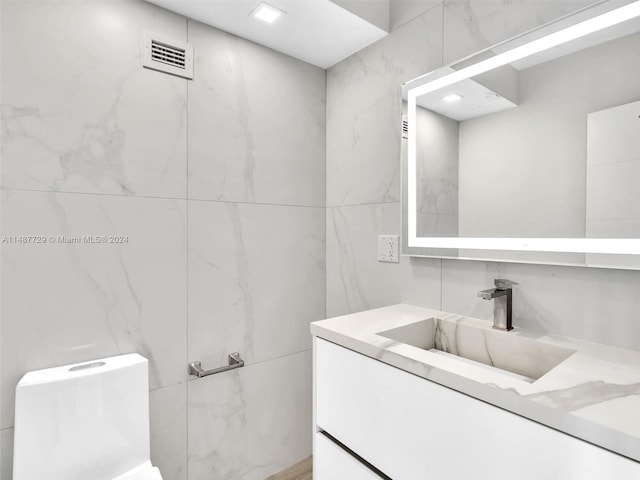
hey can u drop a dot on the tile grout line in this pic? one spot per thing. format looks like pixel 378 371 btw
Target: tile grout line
pixel 363 204
pixel 117 195
pixel 187 199
pixel 326 189
pixel 186 248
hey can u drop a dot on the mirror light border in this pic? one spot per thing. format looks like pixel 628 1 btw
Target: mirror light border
pixel 563 245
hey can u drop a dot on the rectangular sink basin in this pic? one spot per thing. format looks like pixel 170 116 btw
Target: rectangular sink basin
pixel 525 358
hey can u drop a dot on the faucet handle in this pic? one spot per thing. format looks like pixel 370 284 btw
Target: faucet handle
pixel 504 284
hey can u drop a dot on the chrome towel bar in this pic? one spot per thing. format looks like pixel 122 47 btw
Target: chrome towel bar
pixel 195 368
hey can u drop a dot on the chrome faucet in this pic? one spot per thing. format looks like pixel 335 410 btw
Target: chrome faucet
pixel 502 295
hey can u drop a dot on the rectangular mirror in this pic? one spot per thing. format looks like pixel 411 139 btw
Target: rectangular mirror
pixel 530 151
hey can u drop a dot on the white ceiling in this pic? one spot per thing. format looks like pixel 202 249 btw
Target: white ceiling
pixel 477 100
pixel 315 31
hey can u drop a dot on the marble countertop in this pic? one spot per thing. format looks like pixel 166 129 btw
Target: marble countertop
pixel 594 394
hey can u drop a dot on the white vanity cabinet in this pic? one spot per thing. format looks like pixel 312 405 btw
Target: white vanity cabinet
pixel 412 429
pixel 332 462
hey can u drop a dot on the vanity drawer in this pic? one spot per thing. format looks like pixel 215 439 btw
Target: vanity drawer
pixel 331 462
pixel 411 428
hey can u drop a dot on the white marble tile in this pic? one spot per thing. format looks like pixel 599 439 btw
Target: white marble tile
pixel 421 283
pixel 461 282
pixel 472 25
pixel 364 110
pixel 256 123
pixel 168 419
pixel 65 303
pixel 355 279
pixel 256 280
pixel 597 305
pixel 251 422
pixel 6 454
pixel 79 113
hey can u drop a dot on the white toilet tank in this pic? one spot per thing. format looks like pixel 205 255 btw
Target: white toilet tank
pixel 88 421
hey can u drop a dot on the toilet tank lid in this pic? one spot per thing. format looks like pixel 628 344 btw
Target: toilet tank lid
pixel 143 472
pixel 83 369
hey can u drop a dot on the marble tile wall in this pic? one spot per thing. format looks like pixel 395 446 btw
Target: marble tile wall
pixel 363 169
pixel 88 118
pixel 245 262
pixel 256 228
pixel 353 282
pixel 362 188
pixel 218 185
pixel 222 216
pixel 65 303
pixel 471 25
pixel 251 423
pixel 6 453
pixel 256 123
pixel 168 415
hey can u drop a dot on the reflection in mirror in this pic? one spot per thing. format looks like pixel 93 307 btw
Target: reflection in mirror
pixel 547 146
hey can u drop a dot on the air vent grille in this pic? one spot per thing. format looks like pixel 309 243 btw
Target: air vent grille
pixel 405 128
pixel 167 56
pixel 164 53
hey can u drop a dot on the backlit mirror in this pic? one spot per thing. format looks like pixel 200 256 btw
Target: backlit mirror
pixel 530 151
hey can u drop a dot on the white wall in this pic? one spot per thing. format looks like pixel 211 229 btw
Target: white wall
pixel 613 166
pixel 219 185
pixel 363 150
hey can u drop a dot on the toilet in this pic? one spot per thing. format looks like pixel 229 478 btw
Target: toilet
pixel 88 421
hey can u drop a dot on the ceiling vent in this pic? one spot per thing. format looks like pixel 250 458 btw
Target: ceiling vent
pixel 167 56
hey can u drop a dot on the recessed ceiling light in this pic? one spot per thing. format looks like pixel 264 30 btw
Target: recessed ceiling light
pixel 267 13
pixel 453 97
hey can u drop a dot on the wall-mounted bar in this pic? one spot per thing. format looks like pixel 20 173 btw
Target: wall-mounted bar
pixel 195 368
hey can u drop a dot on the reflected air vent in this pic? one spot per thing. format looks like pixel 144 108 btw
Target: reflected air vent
pixel 405 128
pixel 167 56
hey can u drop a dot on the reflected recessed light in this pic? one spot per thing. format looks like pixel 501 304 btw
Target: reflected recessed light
pixel 267 13
pixel 454 97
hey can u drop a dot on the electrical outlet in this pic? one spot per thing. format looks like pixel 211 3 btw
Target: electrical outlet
pixel 388 248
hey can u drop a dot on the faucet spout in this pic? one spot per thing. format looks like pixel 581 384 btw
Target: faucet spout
pixel 491 293
pixel 502 296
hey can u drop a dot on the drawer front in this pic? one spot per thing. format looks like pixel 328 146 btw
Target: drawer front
pixel 410 428
pixel 331 462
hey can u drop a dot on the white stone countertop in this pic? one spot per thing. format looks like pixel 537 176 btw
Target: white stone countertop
pixel 594 394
